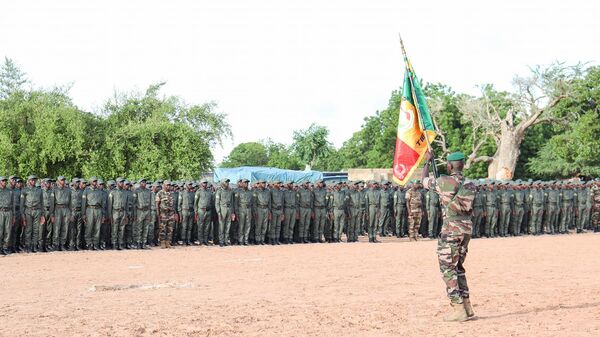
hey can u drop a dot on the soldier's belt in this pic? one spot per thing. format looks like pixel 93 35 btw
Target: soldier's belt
pixel 320 207
pixel 226 205
pixel 5 209
pixel 304 206
pixel 262 206
pixel 61 206
pixel 459 217
pixel 277 208
pixel 204 209
pixel 33 208
pixel 143 208
pixel 94 206
pixel 187 209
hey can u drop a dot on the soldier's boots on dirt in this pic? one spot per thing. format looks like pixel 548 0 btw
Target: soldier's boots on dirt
pixel 458 313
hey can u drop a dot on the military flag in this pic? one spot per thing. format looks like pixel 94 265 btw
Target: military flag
pixel 416 130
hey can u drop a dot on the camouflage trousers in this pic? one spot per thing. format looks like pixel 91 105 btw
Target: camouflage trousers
pixel 452 251
pixel 414 223
pixel 596 217
pixel 165 227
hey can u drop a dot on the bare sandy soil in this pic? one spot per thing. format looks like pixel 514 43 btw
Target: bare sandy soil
pixel 525 286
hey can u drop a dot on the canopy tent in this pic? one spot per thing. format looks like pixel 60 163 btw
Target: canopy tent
pixel 254 173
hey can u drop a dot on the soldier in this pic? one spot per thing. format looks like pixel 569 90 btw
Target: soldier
pixel 277 215
pixel 414 205
pixel 338 201
pixel 186 208
pixel 595 206
pixel 141 214
pixel 106 229
pixel 506 206
pixel 355 211
pixel 519 209
pixel 62 214
pixel 76 220
pixel 224 203
pixel 432 202
pixel 400 212
pixel 16 232
pixel 117 210
pixel 553 197
pixel 478 212
pixel 153 227
pixel 491 210
pixel 372 199
pixel 176 234
pixel 165 209
pixel 48 197
pixel 321 228
pixel 290 205
pixel 527 187
pixel 583 212
pixel 567 208
pixel 244 206
pixel 385 209
pixel 7 215
pixel 362 219
pixel 130 223
pixel 537 197
pixel 262 202
pixel 305 202
pixel 32 216
pixel 203 204
pixel 456 196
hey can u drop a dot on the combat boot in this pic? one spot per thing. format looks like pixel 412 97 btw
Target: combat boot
pixel 458 314
pixel 468 307
pixel 167 244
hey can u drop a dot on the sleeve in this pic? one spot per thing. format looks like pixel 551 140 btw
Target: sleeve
pixel 428 183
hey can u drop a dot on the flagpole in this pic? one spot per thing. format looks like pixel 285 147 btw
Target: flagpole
pixel 410 73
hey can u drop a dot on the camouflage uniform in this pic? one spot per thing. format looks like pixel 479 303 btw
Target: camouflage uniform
pixel 291 211
pixel 566 212
pixel 595 218
pixel 478 214
pixel 7 212
pixel 491 211
pixel 456 197
pixel 414 202
pixel 433 205
pixel 400 213
pixel 165 204
pixel 372 202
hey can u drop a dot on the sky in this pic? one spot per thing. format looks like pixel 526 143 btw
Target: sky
pixel 278 66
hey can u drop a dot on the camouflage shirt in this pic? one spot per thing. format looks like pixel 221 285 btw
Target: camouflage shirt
pixel 456 198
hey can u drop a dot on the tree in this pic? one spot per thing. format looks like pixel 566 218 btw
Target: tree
pixel 247 154
pixel 505 118
pixel 575 149
pixel 311 144
pixel 12 78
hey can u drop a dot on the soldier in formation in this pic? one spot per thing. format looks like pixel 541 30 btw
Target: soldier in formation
pixel 51 215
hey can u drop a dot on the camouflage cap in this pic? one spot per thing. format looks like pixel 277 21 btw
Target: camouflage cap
pixel 2 178
pixel 12 177
pixel 32 177
pixel 61 178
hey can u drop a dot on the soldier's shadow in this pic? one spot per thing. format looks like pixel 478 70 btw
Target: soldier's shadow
pixel 544 309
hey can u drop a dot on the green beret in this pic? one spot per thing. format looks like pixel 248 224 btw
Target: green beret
pixel 456 156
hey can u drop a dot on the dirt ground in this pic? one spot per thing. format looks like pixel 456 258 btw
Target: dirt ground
pixel 525 286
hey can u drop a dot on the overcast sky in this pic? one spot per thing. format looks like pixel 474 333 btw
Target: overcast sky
pixel 278 66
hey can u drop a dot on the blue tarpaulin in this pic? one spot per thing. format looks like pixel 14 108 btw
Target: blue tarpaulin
pixel 254 174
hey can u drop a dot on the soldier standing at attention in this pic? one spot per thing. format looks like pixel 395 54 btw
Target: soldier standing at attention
pixel 7 215
pixel 277 215
pixel 203 204
pixel 76 220
pixel 165 208
pixel 48 233
pixel 354 205
pixel 567 208
pixel 385 209
pixel 400 212
pixel 519 209
pixel 244 208
pixel 62 214
pixel 583 212
pixel 305 202
pixel 372 201
pixel 595 206
pixel 186 209
pixel 290 205
pixel 433 214
pixel 537 208
pixel 224 203
pixel 338 201
pixel 33 219
pixel 320 228
pixel 414 205
pixel 262 201
pixel 553 208
pixel 153 230
pixel 456 196
pixel 491 211
pixel 142 214
pixel 117 210
pixel 478 212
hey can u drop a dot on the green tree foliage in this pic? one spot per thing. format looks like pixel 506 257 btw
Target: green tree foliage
pixel 12 78
pixel 263 153
pixel 311 144
pixel 135 135
pixel 575 148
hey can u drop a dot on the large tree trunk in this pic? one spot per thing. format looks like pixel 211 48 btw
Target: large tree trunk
pixel 505 159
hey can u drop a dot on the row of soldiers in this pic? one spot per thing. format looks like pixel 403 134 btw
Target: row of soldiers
pixel 51 215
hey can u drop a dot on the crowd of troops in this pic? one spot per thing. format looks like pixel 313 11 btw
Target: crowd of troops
pixel 48 215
